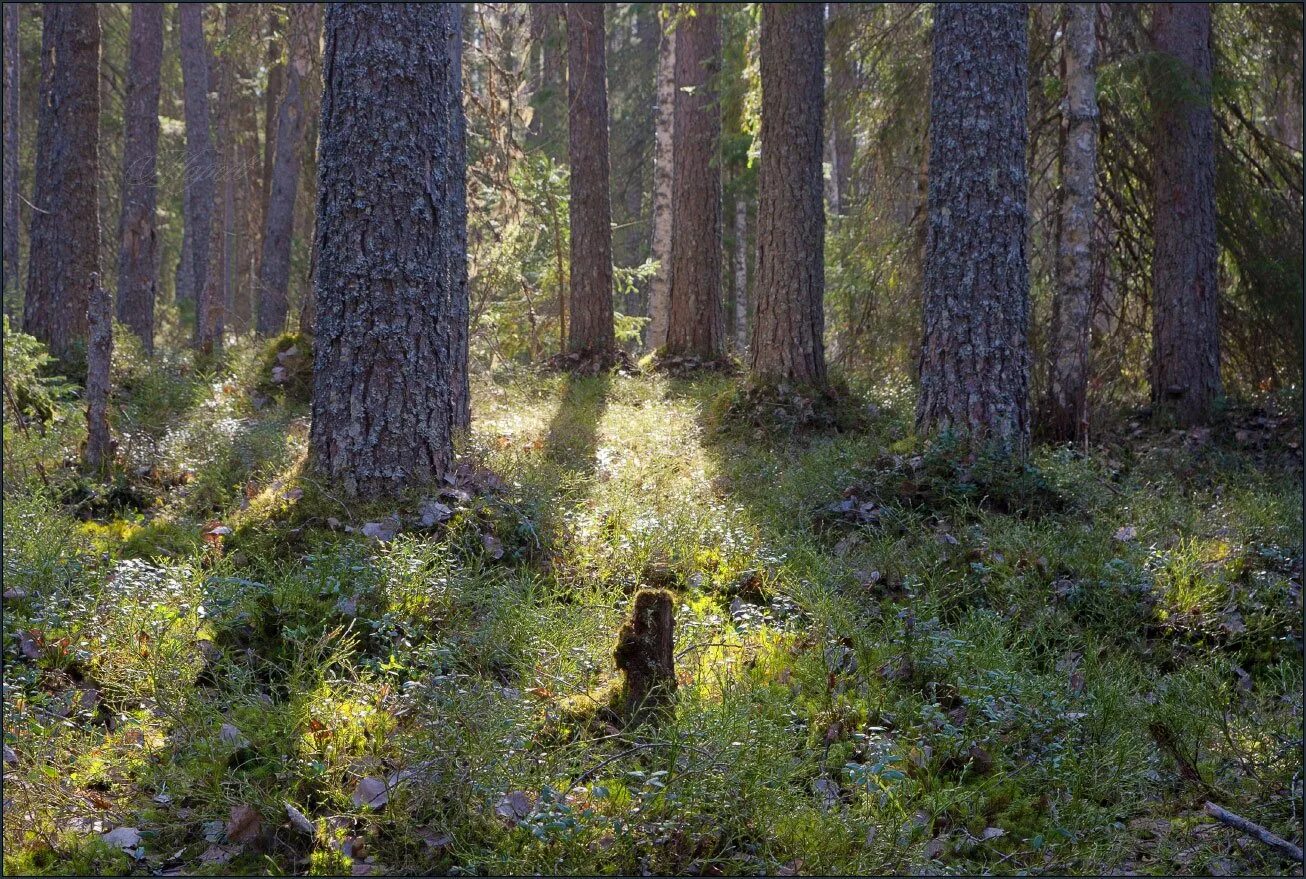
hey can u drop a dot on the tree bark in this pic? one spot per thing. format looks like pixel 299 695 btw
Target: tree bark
pixel 591 328
pixel 274 267
pixel 12 213
pixel 1065 408
pixel 391 280
pixel 272 97
pixel 741 275
pixel 789 317
pixel 1185 297
pixel 65 232
pixel 696 321
pixel 97 456
pixel 243 30
pixel 199 175
pixel 211 296
pixel 138 247
pixel 974 370
pixel 659 307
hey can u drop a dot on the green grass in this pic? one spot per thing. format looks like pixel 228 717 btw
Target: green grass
pixel 855 695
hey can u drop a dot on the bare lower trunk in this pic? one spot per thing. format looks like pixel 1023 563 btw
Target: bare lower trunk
pixel 388 390
pixel 1065 410
pixel 696 325
pixel 741 275
pixel 97 456
pixel 789 325
pixel 274 267
pixel 974 372
pixel 12 215
pixel 659 304
pixel 65 233
pixel 198 179
pixel 591 328
pixel 211 302
pixel 1185 298
pixel 138 248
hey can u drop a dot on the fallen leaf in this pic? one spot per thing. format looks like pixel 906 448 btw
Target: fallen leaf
pixel 229 735
pixel 513 806
pixel 11 756
pixel 828 791
pixel 163 799
pixel 492 545
pixel 934 848
pixel 992 833
pixel 381 531
pixel 220 854
pixel 1126 534
pixel 29 644
pixel 433 513
pixel 791 868
pixel 435 839
pixel 298 820
pixel 370 793
pixel 245 824
pixel 15 593
pixel 123 837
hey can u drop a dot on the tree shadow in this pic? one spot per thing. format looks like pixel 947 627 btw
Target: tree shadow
pixel 572 439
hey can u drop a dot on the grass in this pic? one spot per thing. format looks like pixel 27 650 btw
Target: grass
pixel 971 668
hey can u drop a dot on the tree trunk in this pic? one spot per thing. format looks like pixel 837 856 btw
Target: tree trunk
pixel 843 91
pixel 789 317
pixel 65 232
pixel 97 456
pixel 591 328
pixel 272 97
pixel 696 322
pixel 741 275
pixel 545 131
pixel 274 267
pixel 974 372
pixel 1065 409
pixel 12 213
pixel 200 169
pixel 646 656
pixel 243 30
pixel 211 296
pixel 460 311
pixel 659 301
pixel 138 250
pixel 1185 298
pixel 391 284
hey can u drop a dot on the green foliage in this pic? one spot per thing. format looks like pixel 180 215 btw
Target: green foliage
pixel 31 388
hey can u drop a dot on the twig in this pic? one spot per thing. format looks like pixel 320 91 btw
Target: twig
pixel 1282 846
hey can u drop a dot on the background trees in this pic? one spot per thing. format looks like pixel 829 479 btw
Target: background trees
pixel 391 296
pixel 974 373
pixel 788 339
pixel 65 231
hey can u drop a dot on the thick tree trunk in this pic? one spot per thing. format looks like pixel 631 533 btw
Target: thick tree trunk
pixel 391 284
pixel 741 275
pixel 12 213
pixel 659 297
pixel 138 247
pixel 97 456
pixel 1065 408
pixel 274 267
pixel 974 372
pixel 211 297
pixel 459 317
pixel 591 328
pixel 843 91
pixel 696 325
pixel 200 170
pixel 789 317
pixel 243 29
pixel 65 233
pixel 1185 298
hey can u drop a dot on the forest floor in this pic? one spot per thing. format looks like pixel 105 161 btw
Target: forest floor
pixel 888 660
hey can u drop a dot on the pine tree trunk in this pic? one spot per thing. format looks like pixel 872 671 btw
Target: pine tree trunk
pixel 97 455
pixel 1065 409
pixel 459 319
pixel 199 175
pixel 138 250
pixel 659 301
pixel 64 246
pixel 391 285
pixel 1185 298
pixel 591 328
pixel 272 98
pixel 696 324
pixel 789 316
pixel 211 299
pixel 844 89
pixel 741 275
pixel 243 29
pixel 274 267
pixel 974 367
pixel 12 213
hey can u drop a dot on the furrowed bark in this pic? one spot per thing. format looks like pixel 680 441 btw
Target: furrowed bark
pixel 660 290
pixel 199 176
pixel 97 456
pixel 12 213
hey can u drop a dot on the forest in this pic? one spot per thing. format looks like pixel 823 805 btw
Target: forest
pixel 652 439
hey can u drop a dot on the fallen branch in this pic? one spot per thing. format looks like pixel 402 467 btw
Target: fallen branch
pixel 1224 816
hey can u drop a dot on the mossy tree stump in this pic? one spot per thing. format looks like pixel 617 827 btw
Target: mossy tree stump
pixel 645 655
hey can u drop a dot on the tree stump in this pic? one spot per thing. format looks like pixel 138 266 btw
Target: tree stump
pixel 645 655
pixel 98 453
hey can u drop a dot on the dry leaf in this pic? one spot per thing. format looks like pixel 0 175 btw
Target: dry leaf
pixel 513 806
pixel 298 820
pixel 1126 534
pixel 220 854
pixel 371 793
pixel 492 545
pixel 245 824
pixel 229 735
pixel 435 839
pixel 123 837
pixel 433 513
pixel 381 531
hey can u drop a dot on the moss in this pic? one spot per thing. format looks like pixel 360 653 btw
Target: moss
pixel 75 856
pixel 285 369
